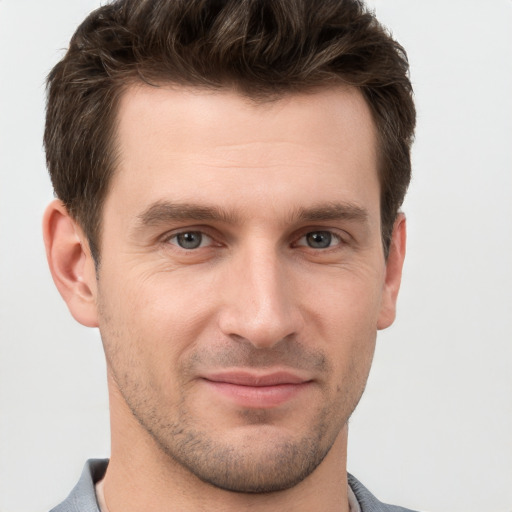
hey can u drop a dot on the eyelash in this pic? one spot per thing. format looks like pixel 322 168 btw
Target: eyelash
pixel 202 234
pixel 331 235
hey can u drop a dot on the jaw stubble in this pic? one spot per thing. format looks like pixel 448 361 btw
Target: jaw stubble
pixel 261 458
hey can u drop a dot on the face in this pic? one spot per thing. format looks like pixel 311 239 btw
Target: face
pixel 242 277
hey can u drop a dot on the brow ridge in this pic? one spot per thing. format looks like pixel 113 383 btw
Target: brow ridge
pixel 166 211
pixel 332 211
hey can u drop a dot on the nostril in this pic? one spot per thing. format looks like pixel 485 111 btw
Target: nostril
pixel 263 329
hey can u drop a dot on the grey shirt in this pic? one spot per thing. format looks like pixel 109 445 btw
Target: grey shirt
pixel 83 497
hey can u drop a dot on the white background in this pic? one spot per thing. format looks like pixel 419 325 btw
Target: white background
pixel 434 430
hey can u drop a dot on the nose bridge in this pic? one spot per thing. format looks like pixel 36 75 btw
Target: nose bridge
pixel 260 306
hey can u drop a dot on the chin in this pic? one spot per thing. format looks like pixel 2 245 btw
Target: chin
pixel 251 459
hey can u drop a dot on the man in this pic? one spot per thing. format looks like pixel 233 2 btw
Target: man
pixel 229 176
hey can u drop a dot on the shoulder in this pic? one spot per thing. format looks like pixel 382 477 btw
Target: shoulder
pixel 83 496
pixel 367 501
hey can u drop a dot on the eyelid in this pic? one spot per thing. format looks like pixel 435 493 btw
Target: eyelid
pixel 335 238
pixel 206 240
pixel 167 237
pixel 342 237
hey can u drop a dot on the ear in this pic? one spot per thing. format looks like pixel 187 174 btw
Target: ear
pixel 394 265
pixel 71 263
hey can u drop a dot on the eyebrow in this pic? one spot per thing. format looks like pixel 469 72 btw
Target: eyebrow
pixel 163 212
pixel 332 211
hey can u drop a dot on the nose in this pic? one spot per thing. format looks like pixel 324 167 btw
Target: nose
pixel 259 301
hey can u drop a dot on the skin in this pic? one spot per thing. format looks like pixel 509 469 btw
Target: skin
pixel 289 276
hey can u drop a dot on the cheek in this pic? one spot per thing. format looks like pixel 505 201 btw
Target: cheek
pixel 345 303
pixel 351 342
pixel 343 320
pixel 159 315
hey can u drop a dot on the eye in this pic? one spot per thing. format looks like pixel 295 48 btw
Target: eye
pixel 319 240
pixel 190 240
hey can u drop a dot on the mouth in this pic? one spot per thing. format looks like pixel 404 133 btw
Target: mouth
pixel 257 390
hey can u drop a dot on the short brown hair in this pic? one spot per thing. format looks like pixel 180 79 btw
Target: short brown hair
pixel 263 48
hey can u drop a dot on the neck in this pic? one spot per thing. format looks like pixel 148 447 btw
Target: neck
pixel 140 476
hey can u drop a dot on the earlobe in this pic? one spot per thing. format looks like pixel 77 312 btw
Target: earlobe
pixel 71 263
pixel 394 265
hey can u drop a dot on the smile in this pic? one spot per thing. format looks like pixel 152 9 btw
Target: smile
pixel 257 391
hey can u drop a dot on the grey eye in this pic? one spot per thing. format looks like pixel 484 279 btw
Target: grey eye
pixel 189 239
pixel 319 239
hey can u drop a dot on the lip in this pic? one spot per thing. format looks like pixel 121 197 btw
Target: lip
pixel 257 390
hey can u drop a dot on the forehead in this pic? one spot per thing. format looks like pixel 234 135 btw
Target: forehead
pixel 333 115
pixel 186 140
